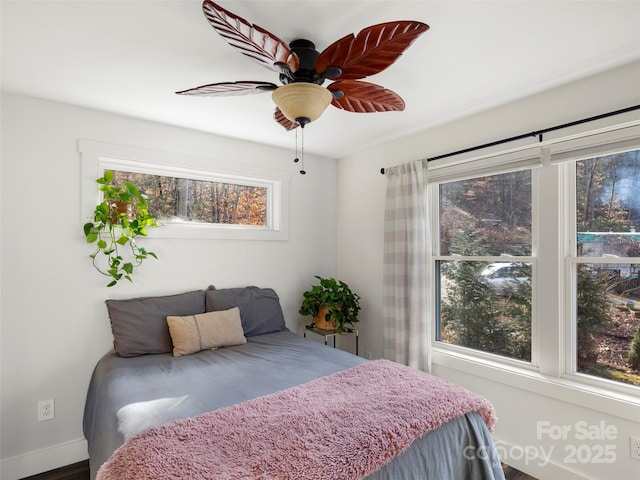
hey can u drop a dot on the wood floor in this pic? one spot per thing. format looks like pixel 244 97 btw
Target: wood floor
pixel 77 471
pixel 513 474
pixel 80 471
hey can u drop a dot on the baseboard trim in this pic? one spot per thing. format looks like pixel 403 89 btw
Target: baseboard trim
pixel 39 461
pixel 549 471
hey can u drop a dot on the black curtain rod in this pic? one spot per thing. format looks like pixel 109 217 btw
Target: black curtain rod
pixel 537 133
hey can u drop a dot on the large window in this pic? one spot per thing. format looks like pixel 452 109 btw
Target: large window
pixel 607 267
pixel 484 264
pixel 538 268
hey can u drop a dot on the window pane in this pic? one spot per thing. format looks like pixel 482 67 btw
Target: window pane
pixel 608 294
pixel 608 205
pixel 174 199
pixel 486 306
pixel 487 215
pixel 608 317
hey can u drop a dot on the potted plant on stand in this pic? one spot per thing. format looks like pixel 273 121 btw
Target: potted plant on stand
pixel 332 304
pixel 117 220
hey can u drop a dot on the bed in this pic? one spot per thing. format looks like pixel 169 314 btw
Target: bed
pixel 139 396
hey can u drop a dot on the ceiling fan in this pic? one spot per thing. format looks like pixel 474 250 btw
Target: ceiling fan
pixel 302 69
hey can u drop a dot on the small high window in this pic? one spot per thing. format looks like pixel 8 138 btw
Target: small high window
pixel 194 197
pixel 174 199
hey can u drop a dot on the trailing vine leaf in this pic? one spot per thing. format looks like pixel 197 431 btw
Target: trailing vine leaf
pixel 112 230
pixel 92 237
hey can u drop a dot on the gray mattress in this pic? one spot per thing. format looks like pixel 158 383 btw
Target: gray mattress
pixel 127 395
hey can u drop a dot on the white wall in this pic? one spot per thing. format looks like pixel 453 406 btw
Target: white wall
pixel 54 321
pixel 361 191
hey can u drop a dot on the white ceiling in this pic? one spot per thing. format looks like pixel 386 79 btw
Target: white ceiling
pixel 129 57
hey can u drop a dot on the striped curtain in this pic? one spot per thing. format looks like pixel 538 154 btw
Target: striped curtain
pixel 406 332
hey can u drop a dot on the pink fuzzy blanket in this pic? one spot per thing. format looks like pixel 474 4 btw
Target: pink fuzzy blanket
pixel 345 425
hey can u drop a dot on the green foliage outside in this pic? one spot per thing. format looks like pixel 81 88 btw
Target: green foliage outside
pixel 518 309
pixel 593 316
pixel 473 315
pixel 634 352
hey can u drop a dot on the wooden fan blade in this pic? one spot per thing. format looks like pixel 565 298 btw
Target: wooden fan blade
pixel 373 50
pixel 251 40
pixel 365 97
pixel 284 121
pixel 226 89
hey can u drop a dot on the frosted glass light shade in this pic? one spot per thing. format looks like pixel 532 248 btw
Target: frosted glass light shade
pixel 302 102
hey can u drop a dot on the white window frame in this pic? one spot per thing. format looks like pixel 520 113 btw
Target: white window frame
pixel 494 167
pixel 554 300
pixel 100 156
pixel 572 260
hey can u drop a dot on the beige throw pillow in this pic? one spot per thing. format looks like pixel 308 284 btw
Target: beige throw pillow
pixel 193 333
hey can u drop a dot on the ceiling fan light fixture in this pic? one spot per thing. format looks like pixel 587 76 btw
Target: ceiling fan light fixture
pixel 302 69
pixel 302 102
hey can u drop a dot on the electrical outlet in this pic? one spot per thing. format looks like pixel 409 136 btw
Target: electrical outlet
pixel 635 447
pixel 46 410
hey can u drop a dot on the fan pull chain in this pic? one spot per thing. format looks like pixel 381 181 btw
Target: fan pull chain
pixel 302 170
pixel 298 157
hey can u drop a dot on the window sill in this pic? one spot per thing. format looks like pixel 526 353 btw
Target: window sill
pixel 527 378
pixel 217 232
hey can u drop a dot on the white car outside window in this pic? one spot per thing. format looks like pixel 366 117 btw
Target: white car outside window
pixel 503 277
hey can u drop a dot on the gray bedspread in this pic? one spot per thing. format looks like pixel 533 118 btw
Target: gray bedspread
pixel 127 395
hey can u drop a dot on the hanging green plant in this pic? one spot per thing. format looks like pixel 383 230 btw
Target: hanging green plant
pixel 117 220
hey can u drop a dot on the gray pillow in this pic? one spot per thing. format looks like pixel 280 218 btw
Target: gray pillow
pixel 260 309
pixel 139 325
